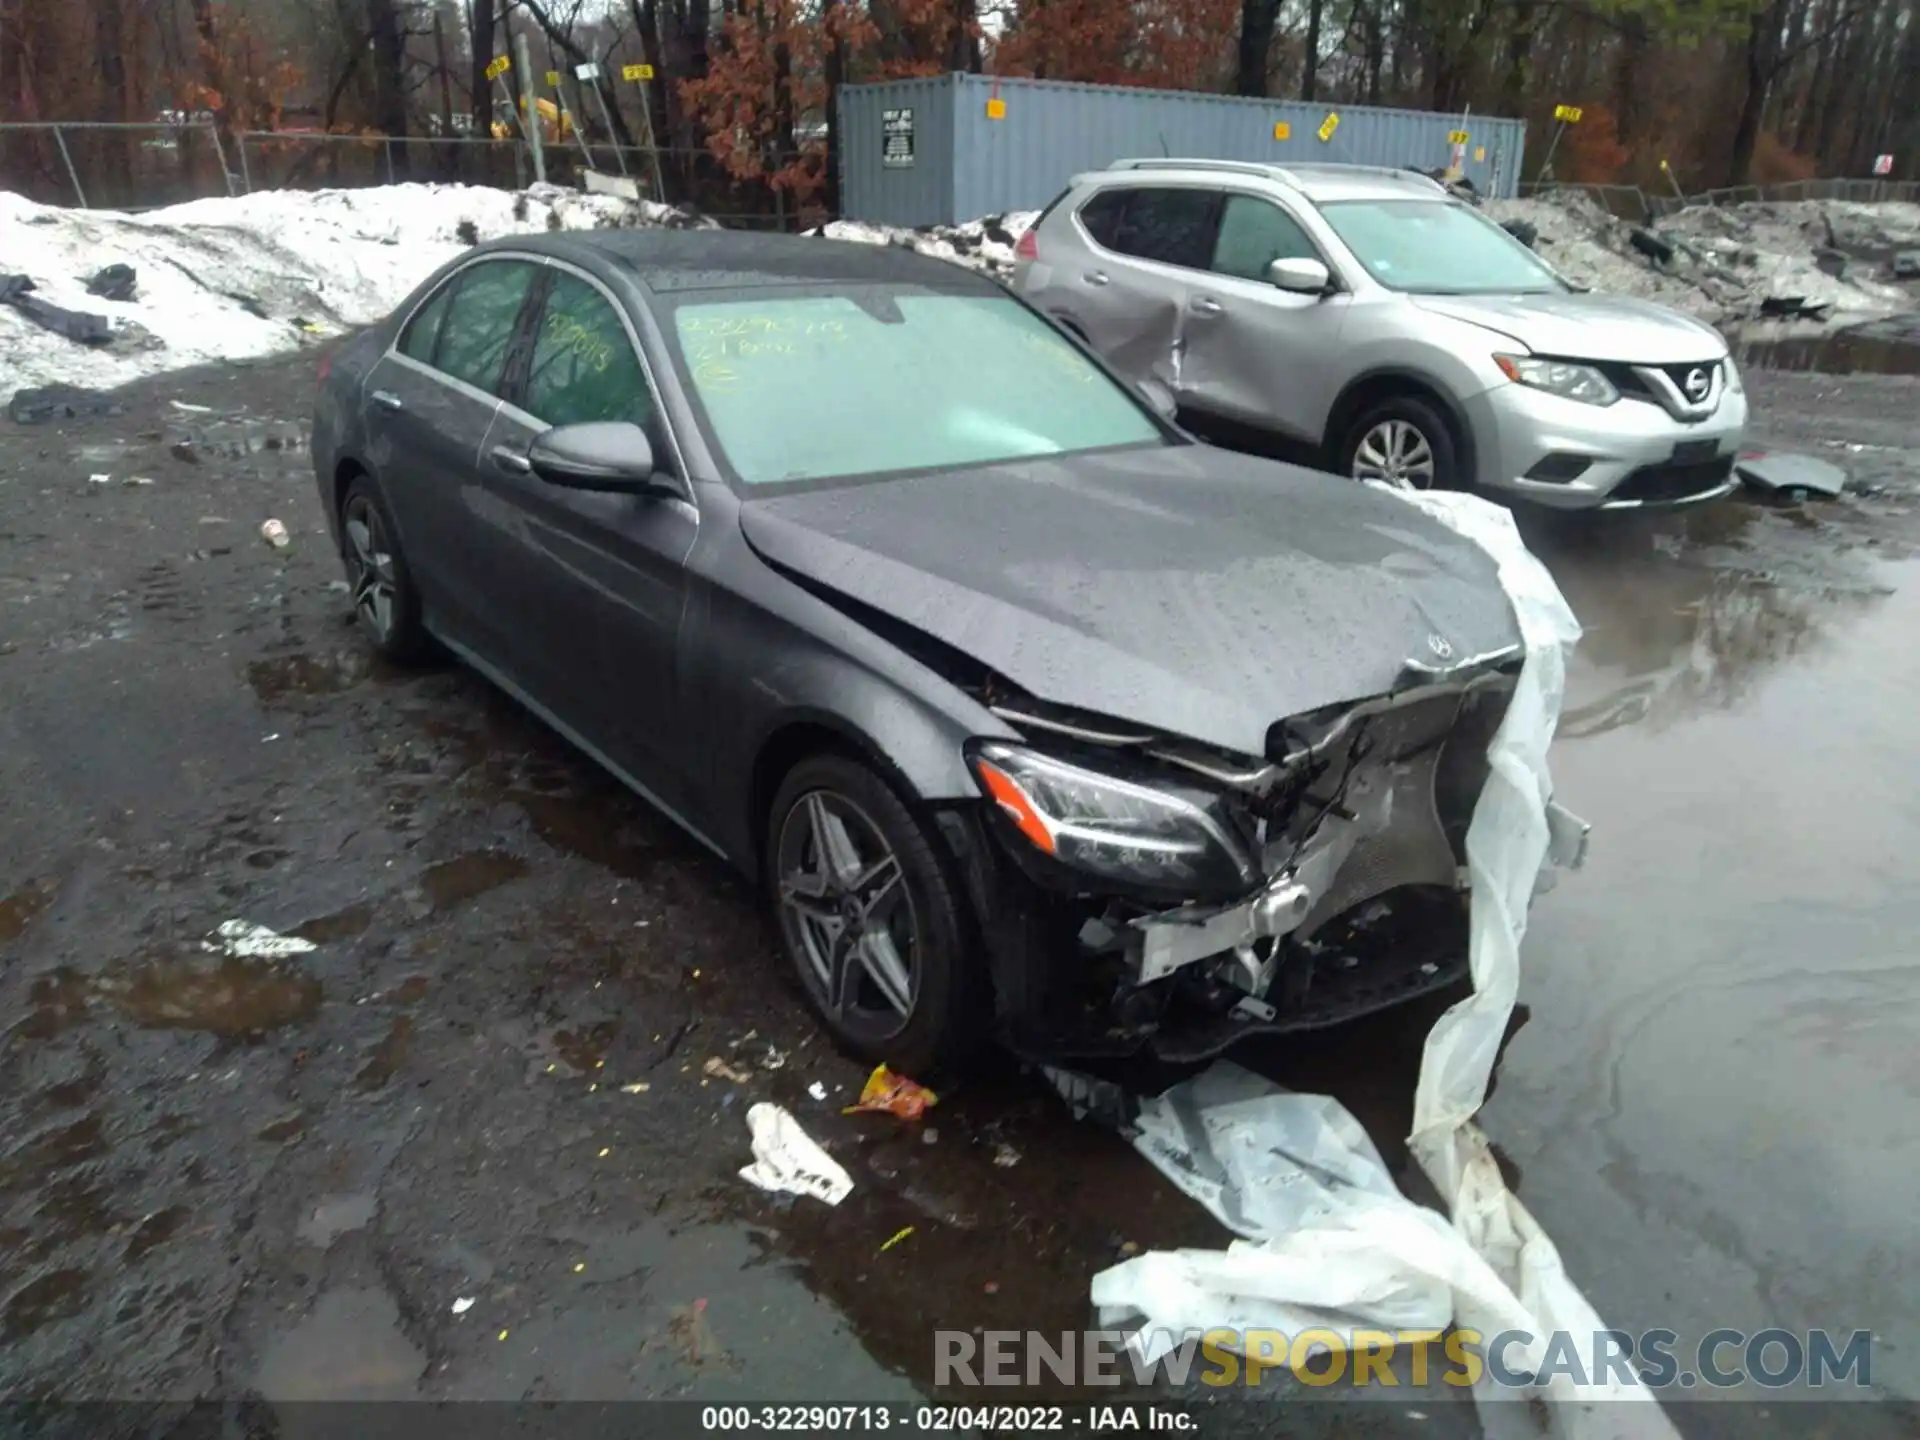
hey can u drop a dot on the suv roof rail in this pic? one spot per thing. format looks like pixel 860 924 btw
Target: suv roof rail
pixel 1385 172
pixel 1237 167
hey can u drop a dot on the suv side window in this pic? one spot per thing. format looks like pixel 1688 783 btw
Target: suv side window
pixel 480 322
pixel 422 335
pixel 1172 226
pixel 1253 234
pixel 1102 215
pixel 584 367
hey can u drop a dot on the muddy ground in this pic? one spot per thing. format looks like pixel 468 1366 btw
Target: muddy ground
pixel 276 1177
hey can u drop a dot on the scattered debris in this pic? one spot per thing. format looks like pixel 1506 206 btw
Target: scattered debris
pixel 930 1136
pixel 462 1305
pixel 243 940
pixel 183 450
pixel 115 282
pixel 100 479
pixel 639 1087
pixel 77 325
pixel 817 1090
pixel 992 1287
pixel 774 1059
pixel 891 1094
pixel 1790 477
pixel 1525 231
pixel 60 402
pixel 895 1238
pixel 274 532
pixel 190 408
pixel 1656 248
pixel 719 1069
pixel 1906 265
pixel 1005 1156
pixel 787 1160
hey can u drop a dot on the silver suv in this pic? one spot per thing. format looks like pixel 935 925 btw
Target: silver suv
pixel 1396 332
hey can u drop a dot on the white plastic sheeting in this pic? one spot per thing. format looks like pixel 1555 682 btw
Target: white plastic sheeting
pixel 788 1160
pixel 1328 1240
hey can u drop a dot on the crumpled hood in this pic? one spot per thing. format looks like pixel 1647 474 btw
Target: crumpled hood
pixel 1587 327
pixel 1188 589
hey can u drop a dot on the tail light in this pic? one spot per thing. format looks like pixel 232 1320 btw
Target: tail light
pixel 1028 247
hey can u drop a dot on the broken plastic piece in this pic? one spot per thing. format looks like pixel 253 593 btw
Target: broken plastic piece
pixel 896 1238
pixel 786 1160
pixel 462 1305
pixel 1790 477
pixel 115 282
pixel 78 326
pixel 244 940
pixel 817 1090
pixel 891 1094
pixel 721 1070
pixel 274 532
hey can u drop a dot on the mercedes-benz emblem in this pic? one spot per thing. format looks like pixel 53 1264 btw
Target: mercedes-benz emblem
pixel 1438 644
pixel 1697 383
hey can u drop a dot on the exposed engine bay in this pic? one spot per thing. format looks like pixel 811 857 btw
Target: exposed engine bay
pixel 1304 889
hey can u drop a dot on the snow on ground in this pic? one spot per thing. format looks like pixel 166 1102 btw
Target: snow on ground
pixel 1732 257
pixel 236 278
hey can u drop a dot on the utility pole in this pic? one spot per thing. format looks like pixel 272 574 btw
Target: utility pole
pixel 530 103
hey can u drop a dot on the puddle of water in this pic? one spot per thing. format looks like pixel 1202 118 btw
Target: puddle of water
pixel 386 1058
pixel 230 996
pixel 467 877
pixel 285 675
pixel 341 925
pixel 335 1216
pixel 349 1347
pixel 244 439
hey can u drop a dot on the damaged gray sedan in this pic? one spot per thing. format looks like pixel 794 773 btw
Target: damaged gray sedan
pixel 1030 714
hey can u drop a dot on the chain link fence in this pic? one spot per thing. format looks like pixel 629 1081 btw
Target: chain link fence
pixel 145 166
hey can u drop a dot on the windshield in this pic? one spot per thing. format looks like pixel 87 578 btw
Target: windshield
pixel 1433 248
pixel 879 379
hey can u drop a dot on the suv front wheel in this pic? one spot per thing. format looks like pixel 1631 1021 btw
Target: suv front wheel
pixel 1402 441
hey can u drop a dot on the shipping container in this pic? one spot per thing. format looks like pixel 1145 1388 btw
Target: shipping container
pixel 951 148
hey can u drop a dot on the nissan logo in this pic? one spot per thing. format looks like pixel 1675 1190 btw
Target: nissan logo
pixel 1438 644
pixel 1697 383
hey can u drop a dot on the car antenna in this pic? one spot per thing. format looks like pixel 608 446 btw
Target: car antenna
pixel 1165 154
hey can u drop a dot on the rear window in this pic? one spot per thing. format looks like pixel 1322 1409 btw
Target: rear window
pixel 817 387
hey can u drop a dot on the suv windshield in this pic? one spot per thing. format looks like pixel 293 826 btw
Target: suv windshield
pixel 880 379
pixel 1432 247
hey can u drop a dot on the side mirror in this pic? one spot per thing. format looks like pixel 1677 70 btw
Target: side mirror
pixel 610 455
pixel 1157 393
pixel 1300 277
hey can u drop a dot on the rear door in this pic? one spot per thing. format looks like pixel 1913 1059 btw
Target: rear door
pixel 1130 294
pixel 597 581
pixel 429 403
pixel 1255 353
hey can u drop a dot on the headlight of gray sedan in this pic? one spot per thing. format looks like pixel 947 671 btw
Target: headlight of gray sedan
pixel 1559 377
pixel 1167 837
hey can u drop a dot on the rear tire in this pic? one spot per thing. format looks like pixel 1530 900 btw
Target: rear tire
pixel 385 603
pixel 870 918
pixel 1403 440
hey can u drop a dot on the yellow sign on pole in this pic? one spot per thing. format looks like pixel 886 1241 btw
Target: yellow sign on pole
pixel 498 66
pixel 996 109
pixel 636 72
pixel 1479 154
pixel 1329 125
pixel 1282 130
pixel 1569 113
pixel 553 79
pixel 1457 137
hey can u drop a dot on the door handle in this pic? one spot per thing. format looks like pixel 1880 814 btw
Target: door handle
pixel 1095 277
pixel 511 460
pixel 1205 306
pixel 387 400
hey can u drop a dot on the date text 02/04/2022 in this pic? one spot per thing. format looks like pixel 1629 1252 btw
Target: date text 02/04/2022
pixel 942 1419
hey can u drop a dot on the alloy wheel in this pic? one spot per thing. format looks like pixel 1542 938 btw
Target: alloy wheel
pixel 1396 452
pixel 846 911
pixel 370 568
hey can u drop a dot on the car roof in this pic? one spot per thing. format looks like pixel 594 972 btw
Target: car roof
pixel 1319 181
pixel 666 261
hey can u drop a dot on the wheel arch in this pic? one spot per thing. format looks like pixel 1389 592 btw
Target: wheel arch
pixel 1389 382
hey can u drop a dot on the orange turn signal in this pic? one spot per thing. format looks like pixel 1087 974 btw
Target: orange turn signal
pixel 1012 799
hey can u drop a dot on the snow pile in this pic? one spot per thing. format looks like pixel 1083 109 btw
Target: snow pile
pixel 1730 259
pixel 236 278
pixel 985 245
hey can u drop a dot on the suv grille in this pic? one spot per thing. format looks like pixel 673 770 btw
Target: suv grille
pixel 1653 484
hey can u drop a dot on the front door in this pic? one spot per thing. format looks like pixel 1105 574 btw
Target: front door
pixel 1255 353
pixel 598 581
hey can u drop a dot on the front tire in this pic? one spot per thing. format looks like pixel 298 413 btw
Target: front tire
pixel 870 918
pixel 1402 441
pixel 385 603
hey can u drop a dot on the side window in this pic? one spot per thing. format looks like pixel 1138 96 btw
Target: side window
pixel 1172 226
pixel 583 364
pixel 1255 233
pixel 422 334
pixel 1101 215
pixel 480 321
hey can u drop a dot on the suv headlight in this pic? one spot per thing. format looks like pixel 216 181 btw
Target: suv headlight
pixel 1559 377
pixel 1164 836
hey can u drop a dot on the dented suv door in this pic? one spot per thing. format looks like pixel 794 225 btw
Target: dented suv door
pixel 1128 289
